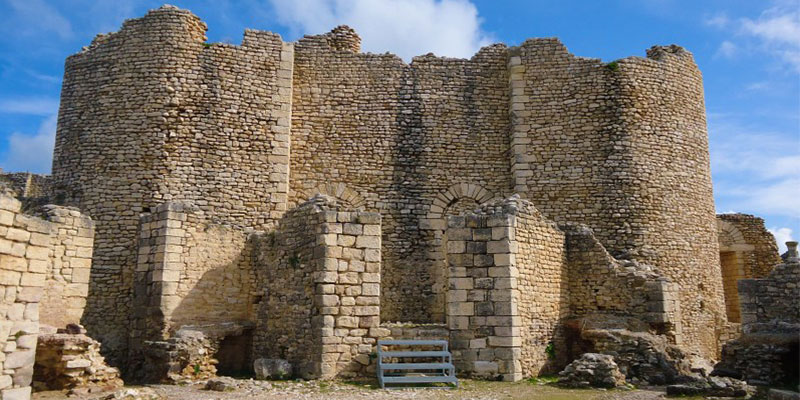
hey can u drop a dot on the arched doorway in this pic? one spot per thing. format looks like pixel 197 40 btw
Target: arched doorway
pixel 455 200
pixel 733 251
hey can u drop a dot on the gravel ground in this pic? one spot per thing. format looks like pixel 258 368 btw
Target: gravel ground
pixel 317 390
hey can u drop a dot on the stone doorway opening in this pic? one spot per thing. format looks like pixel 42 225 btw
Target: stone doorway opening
pixel 234 355
pixel 730 275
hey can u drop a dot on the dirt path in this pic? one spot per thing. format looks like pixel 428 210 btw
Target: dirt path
pixel 316 390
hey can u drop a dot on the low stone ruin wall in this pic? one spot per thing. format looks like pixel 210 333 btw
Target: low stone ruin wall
pixel 601 284
pixel 768 351
pixel 516 280
pixel 320 271
pixel 68 359
pixel 35 254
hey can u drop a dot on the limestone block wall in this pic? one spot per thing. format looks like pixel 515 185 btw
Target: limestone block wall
pixel 394 134
pixel 543 288
pixel 31 250
pixel 773 298
pixel 67 278
pixel 746 235
pixel 151 114
pixel 599 283
pixel 623 148
pixel 508 290
pixel 190 272
pixel 24 254
pixel 320 272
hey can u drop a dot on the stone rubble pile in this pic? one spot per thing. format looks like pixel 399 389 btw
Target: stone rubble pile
pixel 185 356
pixel 592 370
pixel 68 359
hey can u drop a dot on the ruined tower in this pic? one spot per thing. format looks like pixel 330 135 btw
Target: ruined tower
pixel 153 114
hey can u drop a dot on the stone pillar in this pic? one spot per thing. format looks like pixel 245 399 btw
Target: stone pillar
pixel 482 299
pixel 347 290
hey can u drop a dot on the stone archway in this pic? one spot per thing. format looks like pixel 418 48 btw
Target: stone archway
pixel 733 251
pixel 345 196
pixel 453 201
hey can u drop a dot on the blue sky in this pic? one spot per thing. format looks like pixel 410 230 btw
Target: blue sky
pixel 748 51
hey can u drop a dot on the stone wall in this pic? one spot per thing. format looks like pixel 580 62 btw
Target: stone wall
pixel 587 140
pixel 747 234
pixel 518 282
pixel 320 271
pixel 26 184
pixel 747 250
pixel 151 114
pixel 773 297
pixel 67 277
pixel 768 350
pixel 508 290
pixel 394 134
pixel 191 273
pixel 543 290
pixel 31 249
pixel 601 284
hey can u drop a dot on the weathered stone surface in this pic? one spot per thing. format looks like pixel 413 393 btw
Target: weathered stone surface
pixel 270 368
pixel 713 386
pixel 592 370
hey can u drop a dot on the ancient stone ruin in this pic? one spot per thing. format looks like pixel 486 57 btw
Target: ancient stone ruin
pixel 221 206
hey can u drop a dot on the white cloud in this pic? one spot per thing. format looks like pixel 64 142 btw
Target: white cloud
pixel 33 153
pixel 782 235
pixel 727 49
pixel 718 21
pixel 754 171
pixel 31 106
pixel 405 27
pixel 32 17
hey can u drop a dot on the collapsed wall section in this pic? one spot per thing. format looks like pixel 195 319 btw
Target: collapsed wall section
pixel 399 135
pixel 623 149
pixel 320 274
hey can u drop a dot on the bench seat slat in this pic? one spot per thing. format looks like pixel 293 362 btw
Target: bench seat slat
pixel 414 354
pixel 412 343
pixel 419 379
pixel 417 366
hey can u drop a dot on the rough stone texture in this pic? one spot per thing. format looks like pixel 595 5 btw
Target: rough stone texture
pixel 747 250
pixel 768 351
pixel 151 115
pixel 31 251
pixel 157 115
pixel 601 284
pixel 190 272
pixel 320 271
pixel 517 280
pixel 270 368
pixel 72 361
pixel 67 281
pixel 713 386
pixel 623 149
pixel 592 370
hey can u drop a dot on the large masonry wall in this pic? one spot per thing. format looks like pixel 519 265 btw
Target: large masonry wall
pixel 67 282
pixel 623 148
pixel 152 114
pixel 394 134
